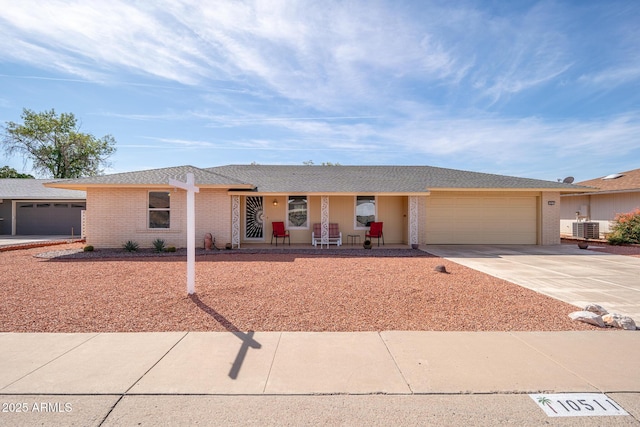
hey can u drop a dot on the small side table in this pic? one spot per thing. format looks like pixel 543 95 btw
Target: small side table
pixel 352 238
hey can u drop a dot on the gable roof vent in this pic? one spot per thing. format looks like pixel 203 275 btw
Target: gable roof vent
pixel 613 176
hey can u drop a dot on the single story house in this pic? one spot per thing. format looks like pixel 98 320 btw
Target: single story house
pixel 27 207
pixel 238 203
pixel 610 195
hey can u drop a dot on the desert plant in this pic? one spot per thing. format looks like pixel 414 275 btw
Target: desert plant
pixel 170 249
pixel 88 248
pixel 130 246
pixel 158 245
pixel 625 228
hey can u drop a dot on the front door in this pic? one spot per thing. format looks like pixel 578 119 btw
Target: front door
pixel 254 218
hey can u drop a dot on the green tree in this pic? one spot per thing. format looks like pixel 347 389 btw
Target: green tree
pixel 55 145
pixel 7 172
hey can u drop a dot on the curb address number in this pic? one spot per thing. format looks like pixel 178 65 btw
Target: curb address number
pixel 578 405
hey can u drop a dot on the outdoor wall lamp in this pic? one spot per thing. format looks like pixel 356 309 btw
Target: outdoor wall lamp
pixel 275 202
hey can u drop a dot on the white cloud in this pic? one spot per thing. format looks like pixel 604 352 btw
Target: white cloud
pixel 310 52
pixel 612 77
pixel 520 53
pixel 387 78
pixel 94 39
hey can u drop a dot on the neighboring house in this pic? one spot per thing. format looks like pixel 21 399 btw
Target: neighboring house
pixel 238 203
pixel 28 207
pixel 610 195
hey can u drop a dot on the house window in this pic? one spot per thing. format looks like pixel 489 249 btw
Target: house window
pixel 365 211
pixel 297 210
pixel 159 209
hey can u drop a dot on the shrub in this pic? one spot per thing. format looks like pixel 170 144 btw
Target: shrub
pixel 130 246
pixel 88 248
pixel 625 228
pixel 158 245
pixel 170 249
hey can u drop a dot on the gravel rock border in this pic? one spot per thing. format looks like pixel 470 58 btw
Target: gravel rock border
pixel 78 253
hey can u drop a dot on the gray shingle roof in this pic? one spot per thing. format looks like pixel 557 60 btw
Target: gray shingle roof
pixel 21 189
pixel 375 179
pixel 157 177
pixel 323 179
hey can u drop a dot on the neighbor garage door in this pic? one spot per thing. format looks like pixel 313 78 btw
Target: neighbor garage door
pixel 481 219
pixel 48 218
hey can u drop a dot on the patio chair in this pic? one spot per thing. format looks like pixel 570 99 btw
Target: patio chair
pixel 335 235
pixel 279 231
pixel 375 231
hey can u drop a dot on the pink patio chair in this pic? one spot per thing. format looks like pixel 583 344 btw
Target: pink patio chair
pixel 335 235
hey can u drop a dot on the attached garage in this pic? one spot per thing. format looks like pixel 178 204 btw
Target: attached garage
pixel 488 218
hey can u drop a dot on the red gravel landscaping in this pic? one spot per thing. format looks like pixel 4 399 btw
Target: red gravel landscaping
pixel 265 292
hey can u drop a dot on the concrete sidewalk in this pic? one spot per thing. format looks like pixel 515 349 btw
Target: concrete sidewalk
pixel 293 378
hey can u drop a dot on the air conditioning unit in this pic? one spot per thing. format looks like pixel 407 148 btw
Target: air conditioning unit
pixel 586 230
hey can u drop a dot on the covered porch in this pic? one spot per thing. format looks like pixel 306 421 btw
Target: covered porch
pixel 253 217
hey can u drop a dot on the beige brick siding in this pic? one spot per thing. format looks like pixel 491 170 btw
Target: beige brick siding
pixel 116 215
pixel 550 219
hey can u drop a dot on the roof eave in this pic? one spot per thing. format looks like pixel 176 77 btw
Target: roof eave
pixel 84 187
pixel 510 189
pixel 595 193
pixel 330 193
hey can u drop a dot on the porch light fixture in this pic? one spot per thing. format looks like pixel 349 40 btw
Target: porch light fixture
pixel 275 202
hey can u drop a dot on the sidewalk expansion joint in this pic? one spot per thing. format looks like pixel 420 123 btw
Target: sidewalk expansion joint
pixel 273 360
pixel 156 363
pixel 50 361
pixel 395 363
pixel 122 396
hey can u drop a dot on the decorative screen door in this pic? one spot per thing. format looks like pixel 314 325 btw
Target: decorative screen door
pixel 254 217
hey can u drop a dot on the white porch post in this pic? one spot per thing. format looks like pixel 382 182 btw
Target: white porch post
pixel 235 222
pixel 413 220
pixel 191 189
pixel 324 221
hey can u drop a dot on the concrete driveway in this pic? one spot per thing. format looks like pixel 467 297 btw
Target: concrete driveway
pixel 564 272
pixel 8 240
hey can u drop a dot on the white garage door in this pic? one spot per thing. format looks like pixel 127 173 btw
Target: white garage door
pixel 481 220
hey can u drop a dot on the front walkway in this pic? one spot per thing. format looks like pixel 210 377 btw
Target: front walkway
pixel 564 272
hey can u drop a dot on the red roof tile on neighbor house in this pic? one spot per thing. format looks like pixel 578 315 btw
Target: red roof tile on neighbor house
pixel 629 180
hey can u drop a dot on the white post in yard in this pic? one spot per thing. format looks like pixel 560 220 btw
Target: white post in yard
pixel 191 189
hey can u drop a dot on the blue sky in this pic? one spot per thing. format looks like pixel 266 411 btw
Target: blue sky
pixel 539 89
